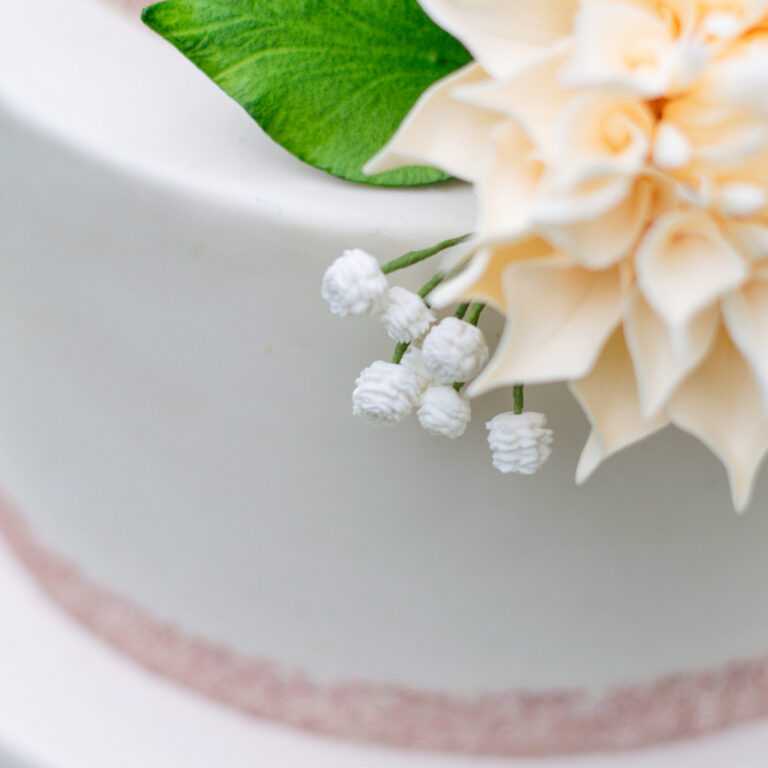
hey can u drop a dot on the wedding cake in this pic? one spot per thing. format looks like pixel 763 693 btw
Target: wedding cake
pixel 183 473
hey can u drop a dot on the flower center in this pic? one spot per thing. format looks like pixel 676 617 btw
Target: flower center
pixel 617 131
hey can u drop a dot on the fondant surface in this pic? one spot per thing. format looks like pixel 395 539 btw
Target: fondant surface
pixel 175 412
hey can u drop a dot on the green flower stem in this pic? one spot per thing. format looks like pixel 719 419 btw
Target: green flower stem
pixel 461 310
pixel 414 257
pixel 400 350
pixel 427 288
pixel 518 394
pixel 474 314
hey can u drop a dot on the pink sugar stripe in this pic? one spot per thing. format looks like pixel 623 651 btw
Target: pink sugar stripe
pixel 510 723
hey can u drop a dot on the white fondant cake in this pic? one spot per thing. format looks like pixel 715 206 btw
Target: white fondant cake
pixel 175 424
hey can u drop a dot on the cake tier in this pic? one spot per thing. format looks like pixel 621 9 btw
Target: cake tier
pixel 175 423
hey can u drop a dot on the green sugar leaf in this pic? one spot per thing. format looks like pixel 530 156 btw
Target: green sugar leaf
pixel 329 80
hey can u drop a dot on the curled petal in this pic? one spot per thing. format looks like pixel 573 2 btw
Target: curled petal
pixel 683 265
pixel 599 133
pixel 482 280
pixel 746 317
pixel 611 401
pixel 428 134
pixel 598 242
pixel 720 404
pixel 576 205
pixel 532 97
pixel 622 44
pixel 748 238
pixel 659 365
pixel 559 317
pixel 714 132
pixel 506 192
pixel 503 34
pixel 738 79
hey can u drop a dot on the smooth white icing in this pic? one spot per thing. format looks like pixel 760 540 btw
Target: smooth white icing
pixel 175 410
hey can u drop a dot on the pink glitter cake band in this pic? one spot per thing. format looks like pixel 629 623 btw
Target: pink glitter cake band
pixel 512 723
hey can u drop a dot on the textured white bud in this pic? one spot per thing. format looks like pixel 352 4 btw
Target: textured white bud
pixel 413 361
pixel 405 315
pixel 444 412
pixel 355 285
pixel 520 442
pixel 454 351
pixel 385 393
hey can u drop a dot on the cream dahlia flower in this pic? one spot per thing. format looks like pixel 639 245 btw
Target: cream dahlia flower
pixel 619 150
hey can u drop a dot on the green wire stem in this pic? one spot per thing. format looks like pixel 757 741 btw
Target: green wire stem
pixel 400 351
pixel 518 394
pixel 414 257
pixel 474 314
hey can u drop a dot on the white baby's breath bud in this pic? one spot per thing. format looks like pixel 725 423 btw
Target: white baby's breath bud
pixel 405 316
pixel 444 412
pixel 355 285
pixel 414 362
pixel 520 442
pixel 454 351
pixel 385 393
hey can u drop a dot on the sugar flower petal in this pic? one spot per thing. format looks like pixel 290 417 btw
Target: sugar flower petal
pixel 746 317
pixel 501 34
pixel 720 404
pixel 559 317
pixel 749 238
pixel 683 264
pixel 599 242
pixel 508 189
pixel 660 366
pixel 482 280
pixel 599 132
pixel 623 45
pixel 428 135
pixel 532 97
pixel 611 401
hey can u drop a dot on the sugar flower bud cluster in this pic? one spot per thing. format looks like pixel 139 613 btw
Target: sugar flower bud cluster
pixel 519 442
pixel 454 350
pixel 385 393
pixel 355 285
pixel 429 378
